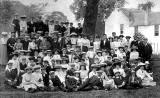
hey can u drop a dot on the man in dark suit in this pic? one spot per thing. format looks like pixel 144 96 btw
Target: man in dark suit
pixel 147 50
pixel 31 25
pixel 72 28
pixel 139 44
pixel 105 44
pixel 79 29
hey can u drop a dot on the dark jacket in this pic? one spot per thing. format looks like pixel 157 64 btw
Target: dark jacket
pixel 106 45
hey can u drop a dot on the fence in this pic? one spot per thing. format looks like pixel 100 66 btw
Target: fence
pixel 156 48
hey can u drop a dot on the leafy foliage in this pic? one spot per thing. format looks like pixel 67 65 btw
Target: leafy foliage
pixel 105 7
pixel 139 36
pixel 59 16
pixel 6 9
pixel 146 6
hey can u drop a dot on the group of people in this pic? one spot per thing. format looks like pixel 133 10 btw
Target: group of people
pixel 68 60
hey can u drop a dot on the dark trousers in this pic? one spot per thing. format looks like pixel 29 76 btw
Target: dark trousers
pixel 90 83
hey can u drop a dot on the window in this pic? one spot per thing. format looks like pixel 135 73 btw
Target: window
pixel 121 28
pixel 156 30
pixel 136 29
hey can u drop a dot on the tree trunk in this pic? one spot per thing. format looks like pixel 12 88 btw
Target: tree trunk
pixel 90 17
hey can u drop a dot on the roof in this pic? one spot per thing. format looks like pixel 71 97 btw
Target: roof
pixel 140 17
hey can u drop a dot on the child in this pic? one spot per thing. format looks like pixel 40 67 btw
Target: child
pixel 11 75
pixel 28 81
pixel 38 77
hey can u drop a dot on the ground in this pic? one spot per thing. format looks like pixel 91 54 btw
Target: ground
pixel 150 92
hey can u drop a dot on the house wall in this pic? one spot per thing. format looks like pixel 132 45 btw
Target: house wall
pixel 112 24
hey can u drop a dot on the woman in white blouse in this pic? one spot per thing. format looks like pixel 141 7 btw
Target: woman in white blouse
pixel 96 44
pixel 83 72
pixel 146 78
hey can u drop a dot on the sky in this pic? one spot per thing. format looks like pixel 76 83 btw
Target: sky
pixel 63 6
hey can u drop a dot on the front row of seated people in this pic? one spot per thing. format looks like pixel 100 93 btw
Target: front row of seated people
pixel 105 76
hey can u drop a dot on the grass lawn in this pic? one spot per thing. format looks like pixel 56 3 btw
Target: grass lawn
pixel 150 92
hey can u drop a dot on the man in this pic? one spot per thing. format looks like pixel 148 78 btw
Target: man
pixel 15 24
pixel 31 25
pixel 62 28
pixel 46 26
pixel 72 28
pixel 39 24
pixel 79 29
pixel 147 50
pixel 105 44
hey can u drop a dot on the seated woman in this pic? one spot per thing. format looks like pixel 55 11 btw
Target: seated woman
pixel 38 77
pixel 93 82
pixel 28 81
pixel 83 72
pixel 108 83
pixel 146 78
pixel 134 54
pixel 11 75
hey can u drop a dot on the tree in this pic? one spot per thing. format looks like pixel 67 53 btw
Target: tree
pixel 58 16
pixel 146 6
pixel 33 10
pixel 6 9
pixel 94 12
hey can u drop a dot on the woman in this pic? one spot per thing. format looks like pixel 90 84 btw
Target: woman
pixel 18 45
pixel 32 46
pixel 28 81
pixel 83 72
pixel 86 44
pixel 146 78
pixel 3 48
pixel 108 83
pixel 96 44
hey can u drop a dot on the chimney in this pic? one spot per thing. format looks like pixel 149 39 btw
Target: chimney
pixel 146 17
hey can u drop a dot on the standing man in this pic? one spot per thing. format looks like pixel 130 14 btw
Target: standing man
pixel 79 29
pixel 105 44
pixel 72 28
pixel 15 24
pixel 147 50
pixel 31 25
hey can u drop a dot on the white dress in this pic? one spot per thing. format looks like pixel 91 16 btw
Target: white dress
pixel 96 45
pixel 134 55
pixel 28 81
pixel 38 79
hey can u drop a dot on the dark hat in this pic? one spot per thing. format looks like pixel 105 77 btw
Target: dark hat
pixel 23 16
pixel 94 66
pixel 99 52
pixel 117 63
pixel 28 67
pixel 99 72
pixel 121 36
pixel 128 37
pixel 121 47
pixel 36 67
pixel 58 67
pixel 31 58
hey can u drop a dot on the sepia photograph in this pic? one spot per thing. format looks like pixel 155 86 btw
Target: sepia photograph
pixel 79 49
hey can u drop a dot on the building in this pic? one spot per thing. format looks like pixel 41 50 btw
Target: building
pixel 129 21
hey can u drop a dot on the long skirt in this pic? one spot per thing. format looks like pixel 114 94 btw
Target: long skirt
pixel 3 54
pixel 26 87
pixel 109 84
pixel 148 82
